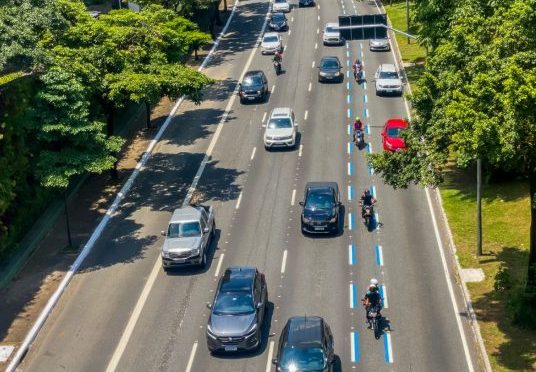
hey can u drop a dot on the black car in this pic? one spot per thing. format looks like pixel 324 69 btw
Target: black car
pixel 305 345
pixel 306 3
pixel 278 22
pixel 237 312
pixel 321 208
pixel 254 87
pixel 329 69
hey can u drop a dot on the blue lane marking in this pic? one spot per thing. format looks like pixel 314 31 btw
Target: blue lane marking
pixel 377 219
pixel 350 221
pixel 349 112
pixel 379 261
pixel 369 148
pixel 349 148
pixel 364 99
pixel 348 54
pixel 367 129
pixel 353 295
pixel 348 98
pixel 348 85
pixel 365 85
pixel 354 346
pixel 373 190
pixel 350 192
pixel 388 350
pixel 348 63
pixel 366 113
pixel 353 256
pixel 347 74
pixel 349 129
pixel 349 168
pixel 364 73
pixel 370 170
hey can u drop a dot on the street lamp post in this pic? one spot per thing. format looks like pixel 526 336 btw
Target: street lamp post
pixel 67 219
pixel 407 18
pixel 478 207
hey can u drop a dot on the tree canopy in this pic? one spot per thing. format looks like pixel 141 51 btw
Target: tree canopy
pixel 475 99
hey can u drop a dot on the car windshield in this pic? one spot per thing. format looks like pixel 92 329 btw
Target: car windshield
pixel 234 303
pixel 320 200
pixel 395 132
pixel 388 75
pixel 329 63
pixel 278 18
pixel 332 29
pixel 270 39
pixel 184 230
pixel 252 80
pixel 302 358
pixel 280 123
pixel 280 1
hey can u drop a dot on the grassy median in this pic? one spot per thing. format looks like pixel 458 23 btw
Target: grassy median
pixel 505 221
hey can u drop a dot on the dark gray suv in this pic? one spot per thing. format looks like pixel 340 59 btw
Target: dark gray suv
pixel 237 312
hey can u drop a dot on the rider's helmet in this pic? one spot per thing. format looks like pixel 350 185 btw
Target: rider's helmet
pixel 366 192
pixel 374 282
pixel 357 118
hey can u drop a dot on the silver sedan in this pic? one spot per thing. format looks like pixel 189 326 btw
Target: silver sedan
pixel 379 44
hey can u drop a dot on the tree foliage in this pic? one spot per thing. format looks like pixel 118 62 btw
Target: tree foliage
pixel 476 100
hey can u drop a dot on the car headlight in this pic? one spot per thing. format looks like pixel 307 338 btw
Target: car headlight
pixel 258 92
pixel 195 251
pixel 252 330
pixel 334 219
pixel 306 220
pixel 165 254
pixel 322 73
pixel 210 333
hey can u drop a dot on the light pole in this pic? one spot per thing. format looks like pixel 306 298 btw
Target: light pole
pixel 67 219
pixel 478 207
pixel 407 18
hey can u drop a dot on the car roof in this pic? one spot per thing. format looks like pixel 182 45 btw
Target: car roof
pixel 188 213
pixel 271 34
pixel 398 123
pixel 388 67
pixel 253 73
pixel 237 278
pixel 321 185
pixel 304 329
pixel 281 112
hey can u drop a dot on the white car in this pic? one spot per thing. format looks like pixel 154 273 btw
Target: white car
pixel 379 45
pixel 281 6
pixel 331 34
pixel 271 42
pixel 281 129
pixel 387 80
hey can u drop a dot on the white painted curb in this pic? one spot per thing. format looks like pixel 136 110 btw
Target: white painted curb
pixel 30 337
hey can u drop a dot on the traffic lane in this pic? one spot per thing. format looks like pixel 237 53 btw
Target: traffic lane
pixel 260 227
pixel 164 193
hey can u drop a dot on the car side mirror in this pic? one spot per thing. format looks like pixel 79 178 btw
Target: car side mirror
pixel 275 361
pixel 259 305
pixel 206 230
pixel 301 203
pixel 209 305
pixel 163 233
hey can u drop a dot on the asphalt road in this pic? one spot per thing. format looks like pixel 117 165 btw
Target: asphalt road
pixel 123 312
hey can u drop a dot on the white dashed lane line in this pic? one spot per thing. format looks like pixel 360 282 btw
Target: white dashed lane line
pixel 218 268
pixel 306 115
pixel 253 153
pixel 270 355
pixel 238 201
pixel 300 151
pixel 293 197
pixel 284 262
pixel 310 86
pixel 192 356
pixel 313 65
pixel 263 117
pixel 273 89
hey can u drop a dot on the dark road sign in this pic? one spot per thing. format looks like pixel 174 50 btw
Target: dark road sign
pixel 359 27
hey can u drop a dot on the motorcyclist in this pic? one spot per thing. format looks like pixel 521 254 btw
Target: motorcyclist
pixel 357 66
pixel 358 127
pixel 372 300
pixel 367 200
pixel 278 57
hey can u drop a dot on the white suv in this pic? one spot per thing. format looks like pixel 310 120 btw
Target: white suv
pixel 332 35
pixel 281 129
pixel 387 80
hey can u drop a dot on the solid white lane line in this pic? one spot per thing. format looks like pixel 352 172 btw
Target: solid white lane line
pixel 385 301
pixel 389 347
pixel 253 153
pixel 191 359
pixel 218 268
pixel 293 197
pixel 270 355
pixel 238 201
pixel 300 151
pixel 263 117
pixel 273 89
pixel 121 346
pixel 449 283
pixel 306 115
pixel 284 262
pixel 313 65
pixel 310 86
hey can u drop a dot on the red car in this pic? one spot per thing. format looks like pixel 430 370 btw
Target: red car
pixel 392 135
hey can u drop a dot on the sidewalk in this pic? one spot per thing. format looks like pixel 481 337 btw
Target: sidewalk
pixel 24 298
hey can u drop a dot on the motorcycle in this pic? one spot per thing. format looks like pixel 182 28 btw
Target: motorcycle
pixel 358 75
pixel 374 318
pixel 277 67
pixel 359 139
pixel 368 213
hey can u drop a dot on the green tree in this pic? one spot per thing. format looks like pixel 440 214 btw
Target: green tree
pixel 476 100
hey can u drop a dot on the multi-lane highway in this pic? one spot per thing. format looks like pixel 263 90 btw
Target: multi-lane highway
pixel 123 312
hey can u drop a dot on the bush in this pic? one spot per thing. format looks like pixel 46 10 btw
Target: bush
pixel 521 305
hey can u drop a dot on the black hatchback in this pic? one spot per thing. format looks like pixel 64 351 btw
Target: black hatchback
pixel 329 69
pixel 254 87
pixel 237 312
pixel 278 22
pixel 321 206
pixel 305 345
